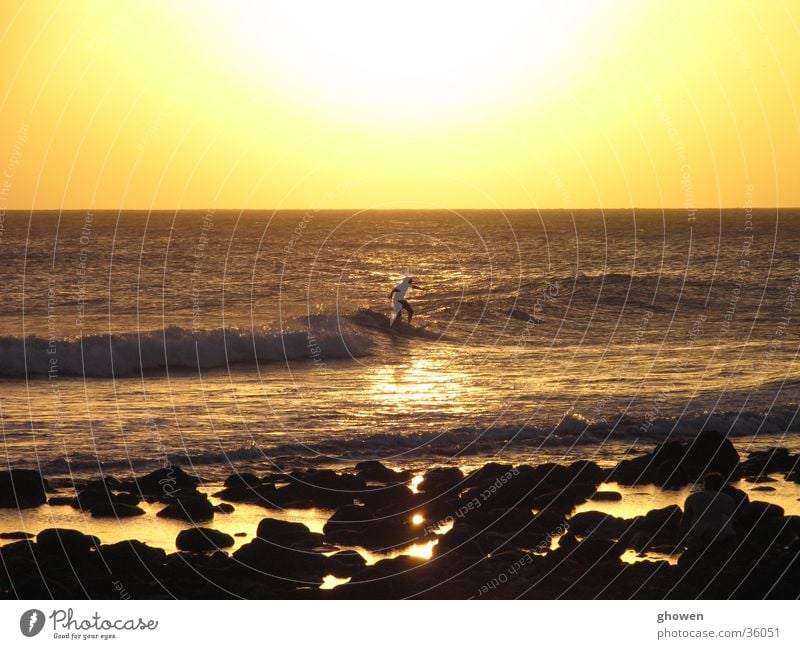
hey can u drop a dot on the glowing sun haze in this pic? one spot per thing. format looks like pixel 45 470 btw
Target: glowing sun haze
pixel 418 104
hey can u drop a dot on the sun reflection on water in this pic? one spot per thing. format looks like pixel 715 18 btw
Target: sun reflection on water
pixel 418 385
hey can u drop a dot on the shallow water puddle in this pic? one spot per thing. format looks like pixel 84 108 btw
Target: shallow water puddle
pixel 330 582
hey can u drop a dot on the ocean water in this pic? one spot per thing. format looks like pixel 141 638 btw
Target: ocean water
pixel 228 340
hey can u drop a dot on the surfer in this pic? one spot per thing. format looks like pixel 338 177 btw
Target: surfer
pixel 399 302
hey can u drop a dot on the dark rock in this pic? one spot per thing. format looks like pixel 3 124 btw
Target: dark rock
pixel 395 497
pixel 374 471
pixel 111 482
pixel 275 478
pixel 460 543
pixel 606 496
pixel 441 480
pixel 671 452
pixel 105 483
pixel 22 488
pixel 166 482
pixel 759 479
pixel 756 517
pixel 224 508
pixel 127 499
pixel 671 476
pixel 242 480
pixel 59 501
pixel 783 532
pixel 16 535
pixel 402 576
pixel 772 460
pixel 115 510
pixel 550 521
pixel 348 521
pixel 401 565
pixel 792 524
pixel 32 586
pixel 497 529
pixel 538 536
pixel 346 563
pixel 350 525
pixel 673 464
pixel 18 550
pixel 592 550
pixel 17 559
pixel 567 543
pixel 634 471
pixel 58 543
pixel 105 504
pixel 303 567
pixel 515 487
pixel 488 531
pixel 203 539
pixel 599 525
pixel 713 451
pixel 585 472
pixel 196 575
pixel 549 485
pixel 487 474
pixel 359 525
pixel 285 533
pixel 240 534
pixel 262 494
pixel 565 499
pixel 763 488
pixel 315 488
pixel 664 518
pixel 659 528
pixel 85 499
pixel 130 557
pixel 321 488
pixel 398 577
pixel 739 496
pixel 194 509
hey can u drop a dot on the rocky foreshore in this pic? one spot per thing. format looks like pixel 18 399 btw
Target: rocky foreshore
pixel 500 531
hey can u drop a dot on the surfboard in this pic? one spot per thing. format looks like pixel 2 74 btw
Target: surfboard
pixel 397 308
pixel 379 322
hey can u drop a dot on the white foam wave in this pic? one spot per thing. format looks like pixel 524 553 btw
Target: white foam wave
pixel 173 348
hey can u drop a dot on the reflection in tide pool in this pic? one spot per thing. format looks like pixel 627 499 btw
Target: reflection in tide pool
pixel 329 582
pixel 162 532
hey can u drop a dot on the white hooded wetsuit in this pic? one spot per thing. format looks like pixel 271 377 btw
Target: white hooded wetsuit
pixel 400 293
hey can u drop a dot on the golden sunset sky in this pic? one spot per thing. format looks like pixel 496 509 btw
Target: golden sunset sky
pixel 344 104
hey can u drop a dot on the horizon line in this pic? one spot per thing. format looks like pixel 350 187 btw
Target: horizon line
pixel 394 209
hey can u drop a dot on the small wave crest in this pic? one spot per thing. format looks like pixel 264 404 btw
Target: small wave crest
pixel 571 436
pixel 571 431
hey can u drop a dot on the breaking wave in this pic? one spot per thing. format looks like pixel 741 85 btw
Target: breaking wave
pixel 127 354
